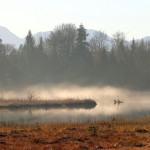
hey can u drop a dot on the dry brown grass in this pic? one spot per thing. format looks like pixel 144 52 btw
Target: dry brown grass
pixel 36 103
pixel 115 134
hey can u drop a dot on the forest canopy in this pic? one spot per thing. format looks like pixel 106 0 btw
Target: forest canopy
pixel 68 55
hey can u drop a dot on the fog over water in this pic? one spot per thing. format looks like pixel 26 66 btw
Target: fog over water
pixel 62 91
pixel 135 104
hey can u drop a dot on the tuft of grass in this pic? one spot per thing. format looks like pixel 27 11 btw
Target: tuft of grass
pixel 92 128
pixel 37 126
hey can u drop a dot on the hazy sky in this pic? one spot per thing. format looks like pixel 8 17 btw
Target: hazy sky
pixel 129 16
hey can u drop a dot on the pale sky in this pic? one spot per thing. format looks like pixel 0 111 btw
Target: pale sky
pixel 129 16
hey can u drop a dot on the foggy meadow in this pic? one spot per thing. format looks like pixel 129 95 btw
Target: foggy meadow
pixel 74 75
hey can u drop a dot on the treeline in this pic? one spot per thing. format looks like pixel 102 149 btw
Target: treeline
pixel 68 55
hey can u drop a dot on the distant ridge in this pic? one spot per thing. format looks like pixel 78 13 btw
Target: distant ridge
pixel 10 38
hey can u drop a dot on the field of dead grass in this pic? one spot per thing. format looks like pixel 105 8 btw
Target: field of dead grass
pixel 120 134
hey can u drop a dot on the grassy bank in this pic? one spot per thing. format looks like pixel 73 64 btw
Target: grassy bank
pixel 115 134
pixel 65 103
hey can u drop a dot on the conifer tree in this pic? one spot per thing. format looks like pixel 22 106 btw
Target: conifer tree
pixel 29 56
pixel 82 58
pixel 82 46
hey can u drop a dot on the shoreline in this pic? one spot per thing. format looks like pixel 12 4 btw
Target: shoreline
pixel 66 103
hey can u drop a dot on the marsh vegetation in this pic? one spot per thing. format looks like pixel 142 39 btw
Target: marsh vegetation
pixel 46 104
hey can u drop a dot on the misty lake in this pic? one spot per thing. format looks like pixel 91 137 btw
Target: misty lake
pixel 135 104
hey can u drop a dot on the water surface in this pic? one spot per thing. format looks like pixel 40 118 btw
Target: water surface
pixel 135 104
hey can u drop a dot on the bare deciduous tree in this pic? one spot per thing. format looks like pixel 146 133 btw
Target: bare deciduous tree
pixel 119 41
pixel 31 95
pixel 98 42
pixel 62 40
